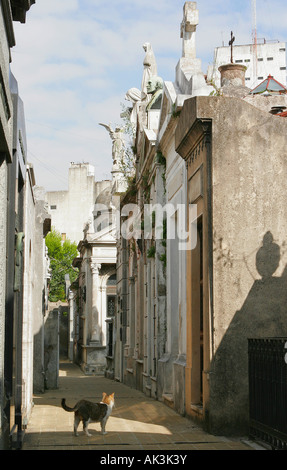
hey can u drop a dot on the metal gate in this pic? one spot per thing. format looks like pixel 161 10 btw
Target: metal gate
pixel 268 390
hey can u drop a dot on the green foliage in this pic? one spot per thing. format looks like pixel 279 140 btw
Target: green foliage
pixel 164 232
pixel 175 113
pixel 163 259
pixel 160 158
pixel 61 254
pixel 151 252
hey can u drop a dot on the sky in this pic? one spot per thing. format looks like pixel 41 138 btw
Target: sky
pixel 74 61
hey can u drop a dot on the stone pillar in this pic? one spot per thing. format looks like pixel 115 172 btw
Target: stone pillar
pixel 102 306
pixel 72 325
pixel 96 320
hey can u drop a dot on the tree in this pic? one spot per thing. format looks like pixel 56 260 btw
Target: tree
pixel 61 254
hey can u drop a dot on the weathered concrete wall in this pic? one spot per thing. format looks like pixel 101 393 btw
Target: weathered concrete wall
pixel 248 222
pixel 6 129
pixel 39 290
pixel 249 212
pixel 28 296
pixel 3 219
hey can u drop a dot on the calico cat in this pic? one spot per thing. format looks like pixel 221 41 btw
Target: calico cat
pixel 89 412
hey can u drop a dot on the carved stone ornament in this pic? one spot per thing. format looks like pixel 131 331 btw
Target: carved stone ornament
pixel 95 267
pixel 19 9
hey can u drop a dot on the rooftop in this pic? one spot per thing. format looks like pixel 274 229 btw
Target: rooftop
pixel 271 86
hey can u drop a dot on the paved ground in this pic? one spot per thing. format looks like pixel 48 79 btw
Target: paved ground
pixel 137 422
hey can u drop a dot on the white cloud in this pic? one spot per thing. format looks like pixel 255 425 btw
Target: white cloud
pixel 83 140
pixel 75 60
pixel 51 7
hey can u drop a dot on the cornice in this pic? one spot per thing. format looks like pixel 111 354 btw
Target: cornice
pixel 200 129
pixel 8 21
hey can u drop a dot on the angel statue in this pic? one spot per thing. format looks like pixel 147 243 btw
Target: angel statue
pixel 116 135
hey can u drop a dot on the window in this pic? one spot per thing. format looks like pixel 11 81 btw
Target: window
pixel 64 237
pixel 260 60
pixel 239 61
pixel 110 339
pixel 112 281
pixel 269 58
pixel 247 60
pixel 53 208
pixel 282 68
pixel 111 307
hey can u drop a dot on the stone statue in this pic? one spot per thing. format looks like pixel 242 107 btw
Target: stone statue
pixel 134 96
pixel 118 149
pixel 155 90
pixel 150 68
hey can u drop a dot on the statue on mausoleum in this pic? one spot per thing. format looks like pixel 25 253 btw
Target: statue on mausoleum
pixel 150 68
pixel 118 150
pixel 134 96
pixel 155 90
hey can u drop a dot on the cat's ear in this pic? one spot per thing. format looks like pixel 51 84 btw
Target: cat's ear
pixel 104 394
pixel 112 394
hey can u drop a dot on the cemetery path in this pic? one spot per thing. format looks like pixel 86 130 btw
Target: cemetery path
pixel 137 423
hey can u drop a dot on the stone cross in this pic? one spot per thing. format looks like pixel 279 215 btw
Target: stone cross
pixel 188 29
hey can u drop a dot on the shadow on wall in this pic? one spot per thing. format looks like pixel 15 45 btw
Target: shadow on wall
pixel 262 315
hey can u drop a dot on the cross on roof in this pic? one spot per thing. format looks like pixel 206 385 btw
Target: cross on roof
pixel 231 42
pixel 188 29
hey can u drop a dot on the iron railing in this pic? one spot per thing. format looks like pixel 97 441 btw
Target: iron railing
pixel 268 391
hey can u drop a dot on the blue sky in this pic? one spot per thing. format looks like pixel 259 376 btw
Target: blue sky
pixel 76 59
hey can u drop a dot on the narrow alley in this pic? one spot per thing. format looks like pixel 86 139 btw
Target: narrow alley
pixel 137 422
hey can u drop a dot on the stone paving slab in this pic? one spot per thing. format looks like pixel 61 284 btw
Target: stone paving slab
pixel 137 422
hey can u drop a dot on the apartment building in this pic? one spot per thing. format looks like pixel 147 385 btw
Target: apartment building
pixel 267 58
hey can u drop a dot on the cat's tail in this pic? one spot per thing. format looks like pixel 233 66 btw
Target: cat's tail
pixel 67 408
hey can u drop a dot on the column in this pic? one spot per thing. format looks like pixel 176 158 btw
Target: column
pixel 96 320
